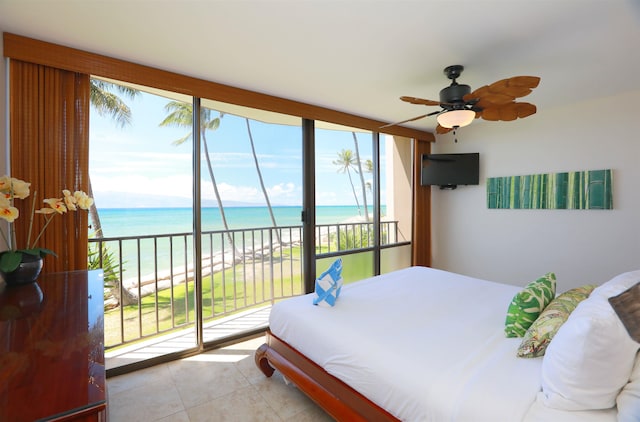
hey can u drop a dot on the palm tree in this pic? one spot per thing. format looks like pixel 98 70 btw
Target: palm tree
pixel 345 162
pixel 368 164
pixel 359 171
pixel 106 103
pixel 264 190
pixel 181 114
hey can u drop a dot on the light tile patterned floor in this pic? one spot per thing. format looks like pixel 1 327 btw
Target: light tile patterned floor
pixel 220 385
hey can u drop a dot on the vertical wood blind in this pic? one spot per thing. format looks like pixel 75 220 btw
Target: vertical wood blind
pixel 49 147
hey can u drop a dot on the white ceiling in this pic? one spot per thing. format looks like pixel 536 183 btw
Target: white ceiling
pixel 358 56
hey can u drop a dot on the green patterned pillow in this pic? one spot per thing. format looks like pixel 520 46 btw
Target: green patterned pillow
pixel 539 335
pixel 527 305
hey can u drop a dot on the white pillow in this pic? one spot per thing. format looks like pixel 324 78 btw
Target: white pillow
pixel 629 398
pixel 590 359
pixel 617 284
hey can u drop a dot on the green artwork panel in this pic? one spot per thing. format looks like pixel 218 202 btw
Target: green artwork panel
pixel 578 190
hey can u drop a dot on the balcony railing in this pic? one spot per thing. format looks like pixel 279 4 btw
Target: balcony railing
pixel 149 286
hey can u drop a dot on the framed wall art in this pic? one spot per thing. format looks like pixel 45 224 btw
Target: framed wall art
pixel 578 190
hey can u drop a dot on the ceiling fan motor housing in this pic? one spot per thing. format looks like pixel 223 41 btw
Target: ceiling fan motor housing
pixel 453 94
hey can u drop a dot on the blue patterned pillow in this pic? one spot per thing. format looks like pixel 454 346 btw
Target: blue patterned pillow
pixel 328 285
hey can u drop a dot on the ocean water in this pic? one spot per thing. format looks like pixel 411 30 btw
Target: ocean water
pixel 141 255
pixel 118 222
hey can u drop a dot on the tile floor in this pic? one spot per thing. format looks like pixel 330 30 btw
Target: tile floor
pixel 220 385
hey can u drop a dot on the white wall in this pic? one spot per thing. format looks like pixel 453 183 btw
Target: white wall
pixel 517 246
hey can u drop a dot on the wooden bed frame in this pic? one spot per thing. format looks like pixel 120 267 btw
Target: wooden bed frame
pixel 339 400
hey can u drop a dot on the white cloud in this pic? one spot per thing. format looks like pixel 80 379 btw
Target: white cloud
pixel 231 192
pixel 169 186
pixel 285 194
pixel 281 189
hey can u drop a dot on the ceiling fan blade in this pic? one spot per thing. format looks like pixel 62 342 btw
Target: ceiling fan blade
pixel 526 110
pixel 441 129
pixel 412 119
pixel 416 100
pixel 508 112
pixel 477 93
pixel 527 82
pixel 491 114
pixel 492 99
pixel 515 87
pixel 524 81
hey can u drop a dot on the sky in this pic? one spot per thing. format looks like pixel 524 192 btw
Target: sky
pixel 140 166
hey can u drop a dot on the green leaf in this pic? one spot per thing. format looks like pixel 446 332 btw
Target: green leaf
pixel 9 261
pixel 38 252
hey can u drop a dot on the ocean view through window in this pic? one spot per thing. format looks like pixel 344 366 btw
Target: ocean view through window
pixel 249 215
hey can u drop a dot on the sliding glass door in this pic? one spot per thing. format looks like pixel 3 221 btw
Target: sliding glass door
pixel 140 170
pixel 344 192
pixel 363 201
pixel 198 222
pixel 251 202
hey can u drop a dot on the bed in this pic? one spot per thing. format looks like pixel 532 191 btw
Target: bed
pixel 417 344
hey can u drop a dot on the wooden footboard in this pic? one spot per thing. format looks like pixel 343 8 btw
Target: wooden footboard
pixel 338 399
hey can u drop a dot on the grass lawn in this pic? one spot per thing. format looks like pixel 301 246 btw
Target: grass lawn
pixel 236 289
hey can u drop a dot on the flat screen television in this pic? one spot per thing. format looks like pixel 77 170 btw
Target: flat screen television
pixel 450 170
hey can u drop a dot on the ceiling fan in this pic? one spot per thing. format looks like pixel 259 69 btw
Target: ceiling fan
pixel 492 102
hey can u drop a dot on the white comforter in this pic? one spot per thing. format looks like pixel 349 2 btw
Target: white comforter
pixel 424 344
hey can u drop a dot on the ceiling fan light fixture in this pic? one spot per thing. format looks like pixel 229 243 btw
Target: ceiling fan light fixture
pixel 456 118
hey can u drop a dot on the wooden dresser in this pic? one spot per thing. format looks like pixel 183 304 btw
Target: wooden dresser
pixel 52 349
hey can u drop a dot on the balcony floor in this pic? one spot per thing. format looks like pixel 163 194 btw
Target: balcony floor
pixel 245 321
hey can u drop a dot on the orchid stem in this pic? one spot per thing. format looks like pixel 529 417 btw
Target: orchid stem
pixel 48 218
pixel 33 210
